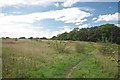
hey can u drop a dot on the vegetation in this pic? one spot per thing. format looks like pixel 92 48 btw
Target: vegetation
pixel 22 38
pixel 59 46
pixel 82 53
pixel 103 33
pixel 28 58
pixel 98 64
pixel 109 49
pixel 0 58
pixel 80 48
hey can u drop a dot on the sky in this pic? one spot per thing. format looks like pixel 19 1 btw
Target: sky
pixel 48 18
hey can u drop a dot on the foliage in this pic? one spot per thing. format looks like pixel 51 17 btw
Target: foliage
pixel 30 38
pixel 44 38
pixel 22 38
pixel 35 59
pixel 104 33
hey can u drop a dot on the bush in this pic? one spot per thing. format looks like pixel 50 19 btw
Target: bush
pixel 80 48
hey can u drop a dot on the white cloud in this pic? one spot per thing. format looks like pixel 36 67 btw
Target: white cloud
pixel 22 25
pixel 94 18
pixel 69 3
pixel 27 2
pixel 66 3
pixel 81 22
pixel 108 17
pixel 57 4
pixel 69 15
pixel 84 26
pixel 87 9
pixel 64 29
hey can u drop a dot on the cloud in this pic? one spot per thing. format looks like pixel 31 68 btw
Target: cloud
pixel 87 9
pixel 65 3
pixel 66 29
pixel 84 26
pixel 62 30
pixel 57 4
pixel 21 29
pixel 107 17
pixel 69 3
pixel 4 3
pixel 22 25
pixel 81 22
pixel 94 18
pixel 69 15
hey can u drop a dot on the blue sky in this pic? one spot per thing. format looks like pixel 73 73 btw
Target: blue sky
pixel 47 18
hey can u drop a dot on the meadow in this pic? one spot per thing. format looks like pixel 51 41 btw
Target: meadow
pixel 0 58
pixel 25 58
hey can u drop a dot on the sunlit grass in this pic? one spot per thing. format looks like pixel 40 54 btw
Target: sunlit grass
pixel 35 59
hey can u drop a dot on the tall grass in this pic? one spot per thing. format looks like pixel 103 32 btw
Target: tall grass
pixel 60 46
pixel 80 48
pixel 36 59
pixel 0 58
pixel 109 49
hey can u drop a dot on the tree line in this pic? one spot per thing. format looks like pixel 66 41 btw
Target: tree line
pixel 103 33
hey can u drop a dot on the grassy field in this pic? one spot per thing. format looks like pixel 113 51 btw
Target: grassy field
pixel 0 58
pixel 54 59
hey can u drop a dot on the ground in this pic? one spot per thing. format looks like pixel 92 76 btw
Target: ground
pixel 57 59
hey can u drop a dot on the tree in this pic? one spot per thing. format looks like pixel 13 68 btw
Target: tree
pixel 43 38
pixel 104 33
pixel 7 38
pixel 30 38
pixel 22 38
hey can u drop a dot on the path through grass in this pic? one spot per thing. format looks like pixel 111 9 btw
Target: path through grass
pixel 36 59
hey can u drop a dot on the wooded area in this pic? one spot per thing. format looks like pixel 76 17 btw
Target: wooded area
pixel 104 33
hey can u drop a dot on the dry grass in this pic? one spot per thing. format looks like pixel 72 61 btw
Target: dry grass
pixel 22 57
pixel 0 58
pixel 108 63
pixel 30 58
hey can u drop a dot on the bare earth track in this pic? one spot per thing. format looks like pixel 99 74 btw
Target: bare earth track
pixel 70 72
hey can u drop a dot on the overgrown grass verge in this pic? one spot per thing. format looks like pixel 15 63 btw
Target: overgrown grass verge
pixel 108 49
pixel 58 69
pixel 98 65
pixel 92 68
pixel 33 59
pixel 39 59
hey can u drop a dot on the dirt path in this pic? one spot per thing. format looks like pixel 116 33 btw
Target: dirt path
pixel 70 72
